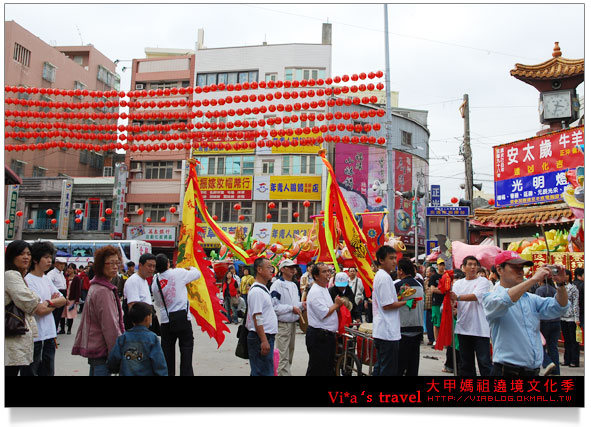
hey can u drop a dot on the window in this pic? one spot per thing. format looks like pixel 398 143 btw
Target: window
pixel 157 211
pixel 163 85
pixel 22 55
pixel 18 167
pixel 216 166
pixel 248 165
pixel 78 59
pixel 300 165
pixel 270 77
pixel 407 138
pixel 39 171
pixel 158 170
pixel 304 73
pixel 49 72
pixel 108 171
pixel 234 77
pixel 225 211
pixel 268 167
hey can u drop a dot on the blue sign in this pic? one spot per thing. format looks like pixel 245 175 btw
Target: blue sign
pixel 436 195
pixel 430 245
pixel 448 210
pixel 542 188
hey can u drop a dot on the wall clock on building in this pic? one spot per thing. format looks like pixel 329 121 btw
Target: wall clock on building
pixel 556 105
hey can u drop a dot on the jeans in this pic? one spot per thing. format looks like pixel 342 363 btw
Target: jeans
pixel 169 337
pixel 43 360
pixel 321 346
pixel 260 366
pixel 409 355
pixel 571 346
pixel 551 332
pixel 387 360
pixel 469 346
pixel 231 310
pixel 98 368
pixel 429 325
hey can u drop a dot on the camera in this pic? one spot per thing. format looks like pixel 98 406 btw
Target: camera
pixel 554 269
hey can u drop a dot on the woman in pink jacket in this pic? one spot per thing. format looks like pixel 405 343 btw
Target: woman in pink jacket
pixel 102 317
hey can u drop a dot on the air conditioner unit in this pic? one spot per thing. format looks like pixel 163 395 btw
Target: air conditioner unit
pixel 139 86
pixel 132 208
pixel 77 206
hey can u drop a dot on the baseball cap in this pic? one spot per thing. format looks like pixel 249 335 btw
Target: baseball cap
pixel 341 280
pixel 440 261
pixel 511 257
pixel 61 259
pixel 286 263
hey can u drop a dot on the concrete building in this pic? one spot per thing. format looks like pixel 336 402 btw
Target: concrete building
pixel 32 64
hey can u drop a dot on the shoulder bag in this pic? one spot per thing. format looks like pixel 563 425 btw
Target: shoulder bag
pixel 242 335
pixel 14 321
pixel 177 320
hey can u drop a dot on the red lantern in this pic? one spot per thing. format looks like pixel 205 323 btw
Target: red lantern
pixel 269 216
pixel 148 219
pixel 125 220
pixel 237 207
pixel 30 221
pixel 272 205
pixel 454 200
pixel 19 213
pixel 78 211
pixel 7 221
pixel 296 214
pixel 49 212
pixel 241 217
pixel 306 203
pixel 54 221
pixel 140 211
pixel 163 219
pixel 102 219
pixel 215 217
pixel 172 210
pixel 491 202
pixel 378 200
pixel 78 220
pixel 108 211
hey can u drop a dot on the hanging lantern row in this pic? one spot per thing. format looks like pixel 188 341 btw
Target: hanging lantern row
pixel 197 89
pixel 219 145
pixel 191 115
pixel 199 103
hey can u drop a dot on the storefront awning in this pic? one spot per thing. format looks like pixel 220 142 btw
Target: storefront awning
pixel 553 213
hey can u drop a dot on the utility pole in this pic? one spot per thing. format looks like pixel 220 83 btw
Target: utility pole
pixel 389 142
pixel 465 110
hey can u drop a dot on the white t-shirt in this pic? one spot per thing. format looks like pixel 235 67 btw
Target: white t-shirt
pixel 318 303
pixel 137 289
pixel 386 323
pixel 285 297
pixel 58 279
pixel 471 319
pixel 259 301
pixel 44 288
pixel 174 287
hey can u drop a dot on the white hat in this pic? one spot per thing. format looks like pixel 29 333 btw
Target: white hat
pixel 341 280
pixel 61 259
pixel 286 263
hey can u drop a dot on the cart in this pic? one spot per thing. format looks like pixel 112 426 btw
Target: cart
pixel 354 350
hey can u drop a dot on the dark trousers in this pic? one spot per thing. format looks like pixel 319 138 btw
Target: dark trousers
pixel 184 334
pixel 429 325
pixel 571 346
pixel 12 371
pixel 551 332
pixel 43 360
pixel 449 361
pixel 471 346
pixel 260 366
pixel 387 358
pixel 57 313
pixel 409 355
pixel 321 346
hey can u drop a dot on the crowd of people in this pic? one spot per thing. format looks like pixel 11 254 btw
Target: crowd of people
pixel 130 320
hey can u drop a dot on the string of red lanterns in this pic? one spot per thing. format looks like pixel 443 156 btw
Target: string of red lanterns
pixel 197 89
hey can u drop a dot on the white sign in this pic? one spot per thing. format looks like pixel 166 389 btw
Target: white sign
pixel 152 233
pixel 65 208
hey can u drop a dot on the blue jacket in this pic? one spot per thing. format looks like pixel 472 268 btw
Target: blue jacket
pixel 138 353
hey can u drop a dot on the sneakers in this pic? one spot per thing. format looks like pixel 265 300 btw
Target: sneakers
pixel 544 371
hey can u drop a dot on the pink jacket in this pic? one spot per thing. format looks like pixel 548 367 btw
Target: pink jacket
pixel 101 322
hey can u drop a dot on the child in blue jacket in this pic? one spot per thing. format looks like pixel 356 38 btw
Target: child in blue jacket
pixel 138 352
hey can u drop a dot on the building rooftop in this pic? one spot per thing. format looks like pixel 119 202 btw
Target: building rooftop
pixel 555 68
pixel 552 213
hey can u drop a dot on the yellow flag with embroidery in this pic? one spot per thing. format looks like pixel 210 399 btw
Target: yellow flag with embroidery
pixel 204 303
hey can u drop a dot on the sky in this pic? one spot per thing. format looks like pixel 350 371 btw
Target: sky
pixel 438 53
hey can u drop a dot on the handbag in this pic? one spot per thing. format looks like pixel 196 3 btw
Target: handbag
pixel 242 335
pixel 14 321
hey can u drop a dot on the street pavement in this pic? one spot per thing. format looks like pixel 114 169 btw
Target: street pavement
pixel 209 360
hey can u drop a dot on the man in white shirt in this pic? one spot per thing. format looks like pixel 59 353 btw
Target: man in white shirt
pixel 44 343
pixel 471 326
pixel 386 318
pixel 261 321
pixel 288 308
pixel 323 323
pixel 137 289
pixel 170 294
pixel 56 275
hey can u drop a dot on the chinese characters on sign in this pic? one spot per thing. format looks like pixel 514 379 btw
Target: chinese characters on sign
pixel 226 187
pixel 533 170
pixel 286 187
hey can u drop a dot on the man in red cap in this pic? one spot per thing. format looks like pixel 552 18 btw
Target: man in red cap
pixel 514 314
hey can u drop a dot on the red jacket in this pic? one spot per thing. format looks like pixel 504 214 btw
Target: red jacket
pixel 85 280
pixel 233 288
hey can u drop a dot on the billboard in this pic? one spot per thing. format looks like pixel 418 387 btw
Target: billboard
pixel 534 170
pixel 286 187
pixel 226 187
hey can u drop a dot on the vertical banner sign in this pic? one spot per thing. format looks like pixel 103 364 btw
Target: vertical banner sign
pixel 65 208
pixel 351 170
pixel 119 199
pixel 436 195
pixel 403 183
pixel 11 198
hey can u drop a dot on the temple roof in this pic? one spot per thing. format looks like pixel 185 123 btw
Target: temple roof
pixel 555 68
pixel 552 213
